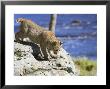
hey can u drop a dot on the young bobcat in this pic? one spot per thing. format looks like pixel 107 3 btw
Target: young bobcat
pixel 49 44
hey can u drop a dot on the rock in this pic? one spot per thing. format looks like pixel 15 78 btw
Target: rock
pixel 76 23
pixel 28 62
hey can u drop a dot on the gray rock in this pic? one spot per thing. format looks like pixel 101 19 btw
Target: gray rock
pixel 26 63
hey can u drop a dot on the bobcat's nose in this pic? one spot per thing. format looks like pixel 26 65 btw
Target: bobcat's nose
pixel 55 52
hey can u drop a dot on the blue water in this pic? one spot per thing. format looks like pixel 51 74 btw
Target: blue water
pixel 78 40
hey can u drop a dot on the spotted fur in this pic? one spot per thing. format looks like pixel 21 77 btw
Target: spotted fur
pixel 50 45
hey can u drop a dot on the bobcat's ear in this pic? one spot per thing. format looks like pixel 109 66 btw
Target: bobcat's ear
pixel 61 43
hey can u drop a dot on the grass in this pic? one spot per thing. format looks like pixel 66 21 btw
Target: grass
pixel 86 66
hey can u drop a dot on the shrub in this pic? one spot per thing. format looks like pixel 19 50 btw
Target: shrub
pixel 86 66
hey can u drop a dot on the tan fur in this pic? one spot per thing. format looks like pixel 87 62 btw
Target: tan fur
pixel 37 34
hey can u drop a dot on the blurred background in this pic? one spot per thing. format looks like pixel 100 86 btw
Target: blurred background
pixel 78 32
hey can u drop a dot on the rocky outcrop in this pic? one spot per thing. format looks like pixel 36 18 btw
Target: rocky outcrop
pixel 28 62
pixel 76 23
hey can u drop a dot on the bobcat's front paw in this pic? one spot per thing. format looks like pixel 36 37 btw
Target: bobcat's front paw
pixel 55 57
pixel 47 58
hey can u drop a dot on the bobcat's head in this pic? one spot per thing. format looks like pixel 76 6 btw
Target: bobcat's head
pixel 56 45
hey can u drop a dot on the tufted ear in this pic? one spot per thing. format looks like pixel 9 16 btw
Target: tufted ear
pixel 61 43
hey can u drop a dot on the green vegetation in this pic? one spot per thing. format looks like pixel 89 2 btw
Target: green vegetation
pixel 86 66
pixel 18 54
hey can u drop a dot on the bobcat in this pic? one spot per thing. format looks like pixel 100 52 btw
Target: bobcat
pixel 47 40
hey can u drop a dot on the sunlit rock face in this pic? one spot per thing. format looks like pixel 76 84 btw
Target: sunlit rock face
pixel 29 62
